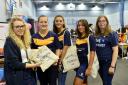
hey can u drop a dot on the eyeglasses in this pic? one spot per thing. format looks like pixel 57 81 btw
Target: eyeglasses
pixel 19 26
pixel 102 21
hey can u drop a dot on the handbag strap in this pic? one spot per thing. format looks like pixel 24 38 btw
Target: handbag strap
pixel 88 44
pixel 70 38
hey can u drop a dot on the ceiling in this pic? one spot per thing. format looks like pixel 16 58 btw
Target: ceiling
pixel 51 3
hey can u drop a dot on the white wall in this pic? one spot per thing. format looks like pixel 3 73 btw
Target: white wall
pixel 29 8
pixel 126 13
pixel 2 11
pixel 113 14
pixel 71 17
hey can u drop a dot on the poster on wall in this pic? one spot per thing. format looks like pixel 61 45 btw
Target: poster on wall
pixel 3 35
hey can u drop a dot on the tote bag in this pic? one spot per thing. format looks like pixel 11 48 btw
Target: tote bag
pixel 44 56
pixel 70 60
pixel 95 66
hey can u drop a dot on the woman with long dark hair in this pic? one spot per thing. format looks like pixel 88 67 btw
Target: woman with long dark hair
pixel 82 50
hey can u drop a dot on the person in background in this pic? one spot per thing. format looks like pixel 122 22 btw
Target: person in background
pixel 17 68
pixel 85 68
pixel 126 40
pixel 106 49
pixel 65 41
pixel 46 38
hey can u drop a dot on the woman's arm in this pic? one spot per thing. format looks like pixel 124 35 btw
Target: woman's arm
pixel 65 48
pixel 58 52
pixel 92 44
pixel 114 55
pixel 28 65
pixel 66 43
pixel 114 42
pixel 114 59
pixel 92 54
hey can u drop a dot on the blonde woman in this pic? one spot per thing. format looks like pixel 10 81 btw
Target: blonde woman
pixel 18 70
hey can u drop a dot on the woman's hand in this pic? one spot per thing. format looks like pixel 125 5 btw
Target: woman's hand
pixel 56 63
pixel 88 71
pixel 29 65
pixel 111 70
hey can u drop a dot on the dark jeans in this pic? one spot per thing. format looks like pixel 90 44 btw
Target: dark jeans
pixel 103 71
pixel 62 78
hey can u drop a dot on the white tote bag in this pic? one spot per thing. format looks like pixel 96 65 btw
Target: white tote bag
pixel 95 66
pixel 70 60
pixel 44 56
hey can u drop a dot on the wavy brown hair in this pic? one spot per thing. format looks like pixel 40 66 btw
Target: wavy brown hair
pixel 54 26
pixel 107 29
pixel 25 40
pixel 86 25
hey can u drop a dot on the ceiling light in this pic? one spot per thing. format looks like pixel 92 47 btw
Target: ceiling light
pixel 81 7
pixel 71 6
pixel 44 8
pixel 96 8
pixel 60 6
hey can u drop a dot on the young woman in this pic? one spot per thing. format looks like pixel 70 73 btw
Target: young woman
pixel 49 39
pixel 82 50
pixel 106 49
pixel 64 38
pixel 17 69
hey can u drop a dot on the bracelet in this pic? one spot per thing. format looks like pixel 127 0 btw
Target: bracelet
pixel 112 66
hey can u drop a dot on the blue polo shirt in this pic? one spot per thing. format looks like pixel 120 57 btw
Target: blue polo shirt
pixel 104 45
pixel 50 40
pixel 64 38
pixel 82 48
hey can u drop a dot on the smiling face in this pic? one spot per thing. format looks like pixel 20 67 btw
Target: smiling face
pixel 43 23
pixel 59 22
pixel 81 27
pixel 19 28
pixel 102 24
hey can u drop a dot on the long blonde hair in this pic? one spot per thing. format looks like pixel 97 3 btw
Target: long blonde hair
pixel 107 29
pixel 25 40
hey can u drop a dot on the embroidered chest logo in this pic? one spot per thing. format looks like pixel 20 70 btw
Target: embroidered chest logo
pixel 100 42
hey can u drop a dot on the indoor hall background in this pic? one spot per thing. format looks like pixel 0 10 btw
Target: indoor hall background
pixel 74 12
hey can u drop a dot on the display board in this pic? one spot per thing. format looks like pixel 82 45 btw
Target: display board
pixel 3 35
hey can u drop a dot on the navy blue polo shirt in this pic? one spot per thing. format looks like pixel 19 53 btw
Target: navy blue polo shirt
pixel 82 48
pixel 64 38
pixel 104 45
pixel 50 40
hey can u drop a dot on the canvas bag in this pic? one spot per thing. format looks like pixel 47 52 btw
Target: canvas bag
pixel 70 60
pixel 44 56
pixel 95 66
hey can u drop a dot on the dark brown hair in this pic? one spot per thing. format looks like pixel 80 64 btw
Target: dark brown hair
pixel 85 24
pixel 54 26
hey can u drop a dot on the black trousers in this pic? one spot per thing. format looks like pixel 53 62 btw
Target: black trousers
pixel 49 77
